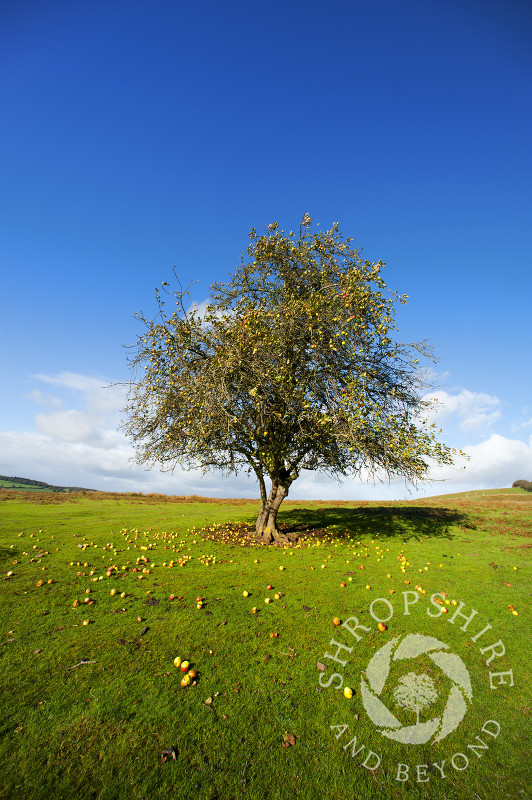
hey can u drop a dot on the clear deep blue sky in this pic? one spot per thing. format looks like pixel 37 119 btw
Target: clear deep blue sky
pixel 137 136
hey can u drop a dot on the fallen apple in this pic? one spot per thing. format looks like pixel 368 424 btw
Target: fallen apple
pixel 112 592
pixel 269 587
pixel 267 600
pixel 192 674
pixel 85 622
pixel 245 593
pixel 254 610
pixel 185 681
pixel 336 621
pixel 177 661
pixel 382 627
pixel 348 692
pixel 184 666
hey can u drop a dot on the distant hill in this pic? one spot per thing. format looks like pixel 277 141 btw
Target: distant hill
pixel 28 485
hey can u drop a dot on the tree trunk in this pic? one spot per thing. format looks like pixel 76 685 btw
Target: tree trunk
pixel 266 525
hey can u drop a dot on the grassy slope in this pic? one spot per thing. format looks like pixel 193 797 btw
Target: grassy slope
pixel 97 731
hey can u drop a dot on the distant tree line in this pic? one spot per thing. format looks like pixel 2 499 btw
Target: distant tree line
pixel 20 482
pixel 523 485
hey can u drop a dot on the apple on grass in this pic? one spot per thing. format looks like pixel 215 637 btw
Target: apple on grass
pixel 184 666
pixel 185 681
pixel 348 693
pixel 245 593
pixel 177 661
pixel 336 621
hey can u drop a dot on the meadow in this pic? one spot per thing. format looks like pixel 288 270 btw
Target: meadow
pixel 99 595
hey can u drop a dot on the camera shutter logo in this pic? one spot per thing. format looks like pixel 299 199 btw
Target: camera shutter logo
pixel 414 691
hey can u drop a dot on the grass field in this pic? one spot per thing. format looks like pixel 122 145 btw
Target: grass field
pixel 8 484
pixel 88 711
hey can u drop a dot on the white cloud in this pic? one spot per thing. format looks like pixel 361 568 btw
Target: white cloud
pixel 75 426
pixel 99 395
pixel 201 309
pixel 77 443
pixel 43 399
pixel 475 411
pixel 495 462
pixel 95 419
pixel 80 463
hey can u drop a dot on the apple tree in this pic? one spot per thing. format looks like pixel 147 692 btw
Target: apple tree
pixel 292 366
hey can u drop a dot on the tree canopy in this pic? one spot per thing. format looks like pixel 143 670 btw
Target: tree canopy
pixel 293 365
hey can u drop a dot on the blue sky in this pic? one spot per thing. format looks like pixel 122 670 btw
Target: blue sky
pixel 138 136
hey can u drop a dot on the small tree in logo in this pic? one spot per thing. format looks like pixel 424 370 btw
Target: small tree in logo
pixel 415 692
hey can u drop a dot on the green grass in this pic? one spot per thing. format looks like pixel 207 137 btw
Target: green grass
pixel 96 730
pixel 4 484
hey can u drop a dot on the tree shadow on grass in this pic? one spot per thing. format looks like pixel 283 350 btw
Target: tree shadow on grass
pixel 406 522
